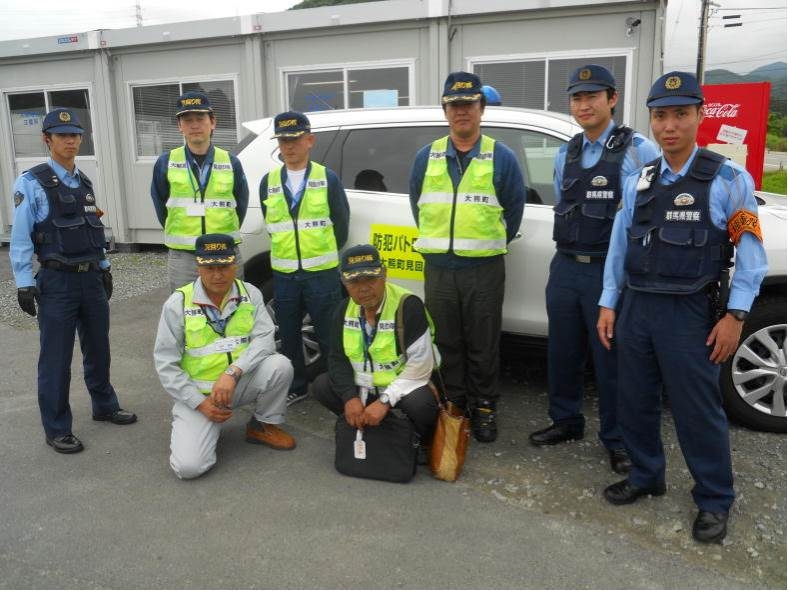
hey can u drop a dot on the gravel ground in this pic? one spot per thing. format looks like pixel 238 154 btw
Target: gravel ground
pixel 133 274
pixel 565 481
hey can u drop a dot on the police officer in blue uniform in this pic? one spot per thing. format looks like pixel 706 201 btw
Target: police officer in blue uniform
pixel 674 237
pixel 589 173
pixel 56 217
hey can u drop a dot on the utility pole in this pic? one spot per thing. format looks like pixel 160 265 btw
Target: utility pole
pixel 138 7
pixel 702 33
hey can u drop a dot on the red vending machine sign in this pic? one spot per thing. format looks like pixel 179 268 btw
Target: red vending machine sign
pixel 735 121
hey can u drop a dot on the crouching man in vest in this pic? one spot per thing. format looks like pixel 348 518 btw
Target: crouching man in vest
pixel 214 352
pixel 366 359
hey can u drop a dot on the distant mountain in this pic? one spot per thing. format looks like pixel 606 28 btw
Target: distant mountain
pixel 774 73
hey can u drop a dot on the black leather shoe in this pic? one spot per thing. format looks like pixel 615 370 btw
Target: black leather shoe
pixel 65 444
pixel 710 527
pixel 623 493
pixel 118 417
pixel 555 434
pixel 619 461
pixel 483 425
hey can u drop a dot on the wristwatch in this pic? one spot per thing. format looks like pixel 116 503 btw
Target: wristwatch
pixel 384 398
pixel 740 315
pixel 231 372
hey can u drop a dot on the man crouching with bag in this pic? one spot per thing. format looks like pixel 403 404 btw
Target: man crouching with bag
pixel 381 351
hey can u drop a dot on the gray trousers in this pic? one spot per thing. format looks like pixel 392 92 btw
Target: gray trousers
pixel 182 267
pixel 194 437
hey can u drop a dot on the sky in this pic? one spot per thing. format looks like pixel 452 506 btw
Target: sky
pixel 760 40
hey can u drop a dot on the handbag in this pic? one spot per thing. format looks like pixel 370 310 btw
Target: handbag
pixel 385 452
pixel 450 441
pixel 452 427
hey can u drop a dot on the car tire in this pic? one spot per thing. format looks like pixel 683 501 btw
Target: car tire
pixel 753 380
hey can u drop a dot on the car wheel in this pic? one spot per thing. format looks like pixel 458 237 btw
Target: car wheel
pixel 753 380
pixel 313 357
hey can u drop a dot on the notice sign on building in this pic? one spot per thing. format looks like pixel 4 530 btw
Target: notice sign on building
pixel 736 115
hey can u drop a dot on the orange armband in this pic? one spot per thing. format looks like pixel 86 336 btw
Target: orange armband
pixel 744 221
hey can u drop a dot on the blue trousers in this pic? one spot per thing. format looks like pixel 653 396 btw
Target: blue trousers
pixel 662 346
pixel 572 294
pixel 69 303
pixel 315 292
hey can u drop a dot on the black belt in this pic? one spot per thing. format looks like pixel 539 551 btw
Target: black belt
pixel 80 268
pixel 583 258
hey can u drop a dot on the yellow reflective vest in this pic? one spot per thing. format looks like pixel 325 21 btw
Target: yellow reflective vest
pixel 469 223
pixel 190 215
pixel 384 364
pixel 207 354
pixel 306 242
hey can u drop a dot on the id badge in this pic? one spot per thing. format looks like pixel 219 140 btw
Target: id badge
pixel 225 345
pixel 365 379
pixel 195 210
pixel 359 447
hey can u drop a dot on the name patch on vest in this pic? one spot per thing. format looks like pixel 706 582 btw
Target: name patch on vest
pixel 352 323
pixel 222 166
pixel 90 209
pixel 437 155
pixel 683 215
pixel 316 184
pixel 315 224
pixel 484 156
pixel 176 164
pixel 476 199
pixel 386 325
pixel 607 194
pixel 192 312
pixel 274 190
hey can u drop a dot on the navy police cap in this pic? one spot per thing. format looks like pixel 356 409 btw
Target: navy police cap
pixel 362 260
pixel 674 89
pixel 214 249
pixel 193 102
pixel 291 124
pixel 62 121
pixel 462 86
pixel 590 78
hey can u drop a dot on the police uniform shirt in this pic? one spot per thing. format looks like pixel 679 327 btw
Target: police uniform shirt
pixel 32 207
pixel 639 152
pixel 160 186
pixel 731 189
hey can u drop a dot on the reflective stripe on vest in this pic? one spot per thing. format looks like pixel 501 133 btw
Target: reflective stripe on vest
pixel 207 354
pixel 386 364
pixel 182 229
pixel 308 242
pixel 469 223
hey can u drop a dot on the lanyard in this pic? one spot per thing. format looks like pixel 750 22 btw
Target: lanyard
pixel 205 169
pixel 368 338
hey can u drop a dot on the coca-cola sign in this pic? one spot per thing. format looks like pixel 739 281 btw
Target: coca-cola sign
pixel 721 110
pixel 735 119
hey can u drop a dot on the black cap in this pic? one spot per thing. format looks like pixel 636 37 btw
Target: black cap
pixel 590 78
pixel 214 249
pixel 462 86
pixel 361 260
pixel 193 102
pixel 291 124
pixel 62 121
pixel 674 89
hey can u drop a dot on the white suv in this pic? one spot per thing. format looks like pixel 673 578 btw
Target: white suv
pixel 372 151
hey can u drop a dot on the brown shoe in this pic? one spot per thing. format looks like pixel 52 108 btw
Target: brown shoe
pixel 267 434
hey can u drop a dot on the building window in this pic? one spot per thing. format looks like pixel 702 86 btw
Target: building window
pixel 154 115
pixel 27 114
pixel 540 83
pixel 353 87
